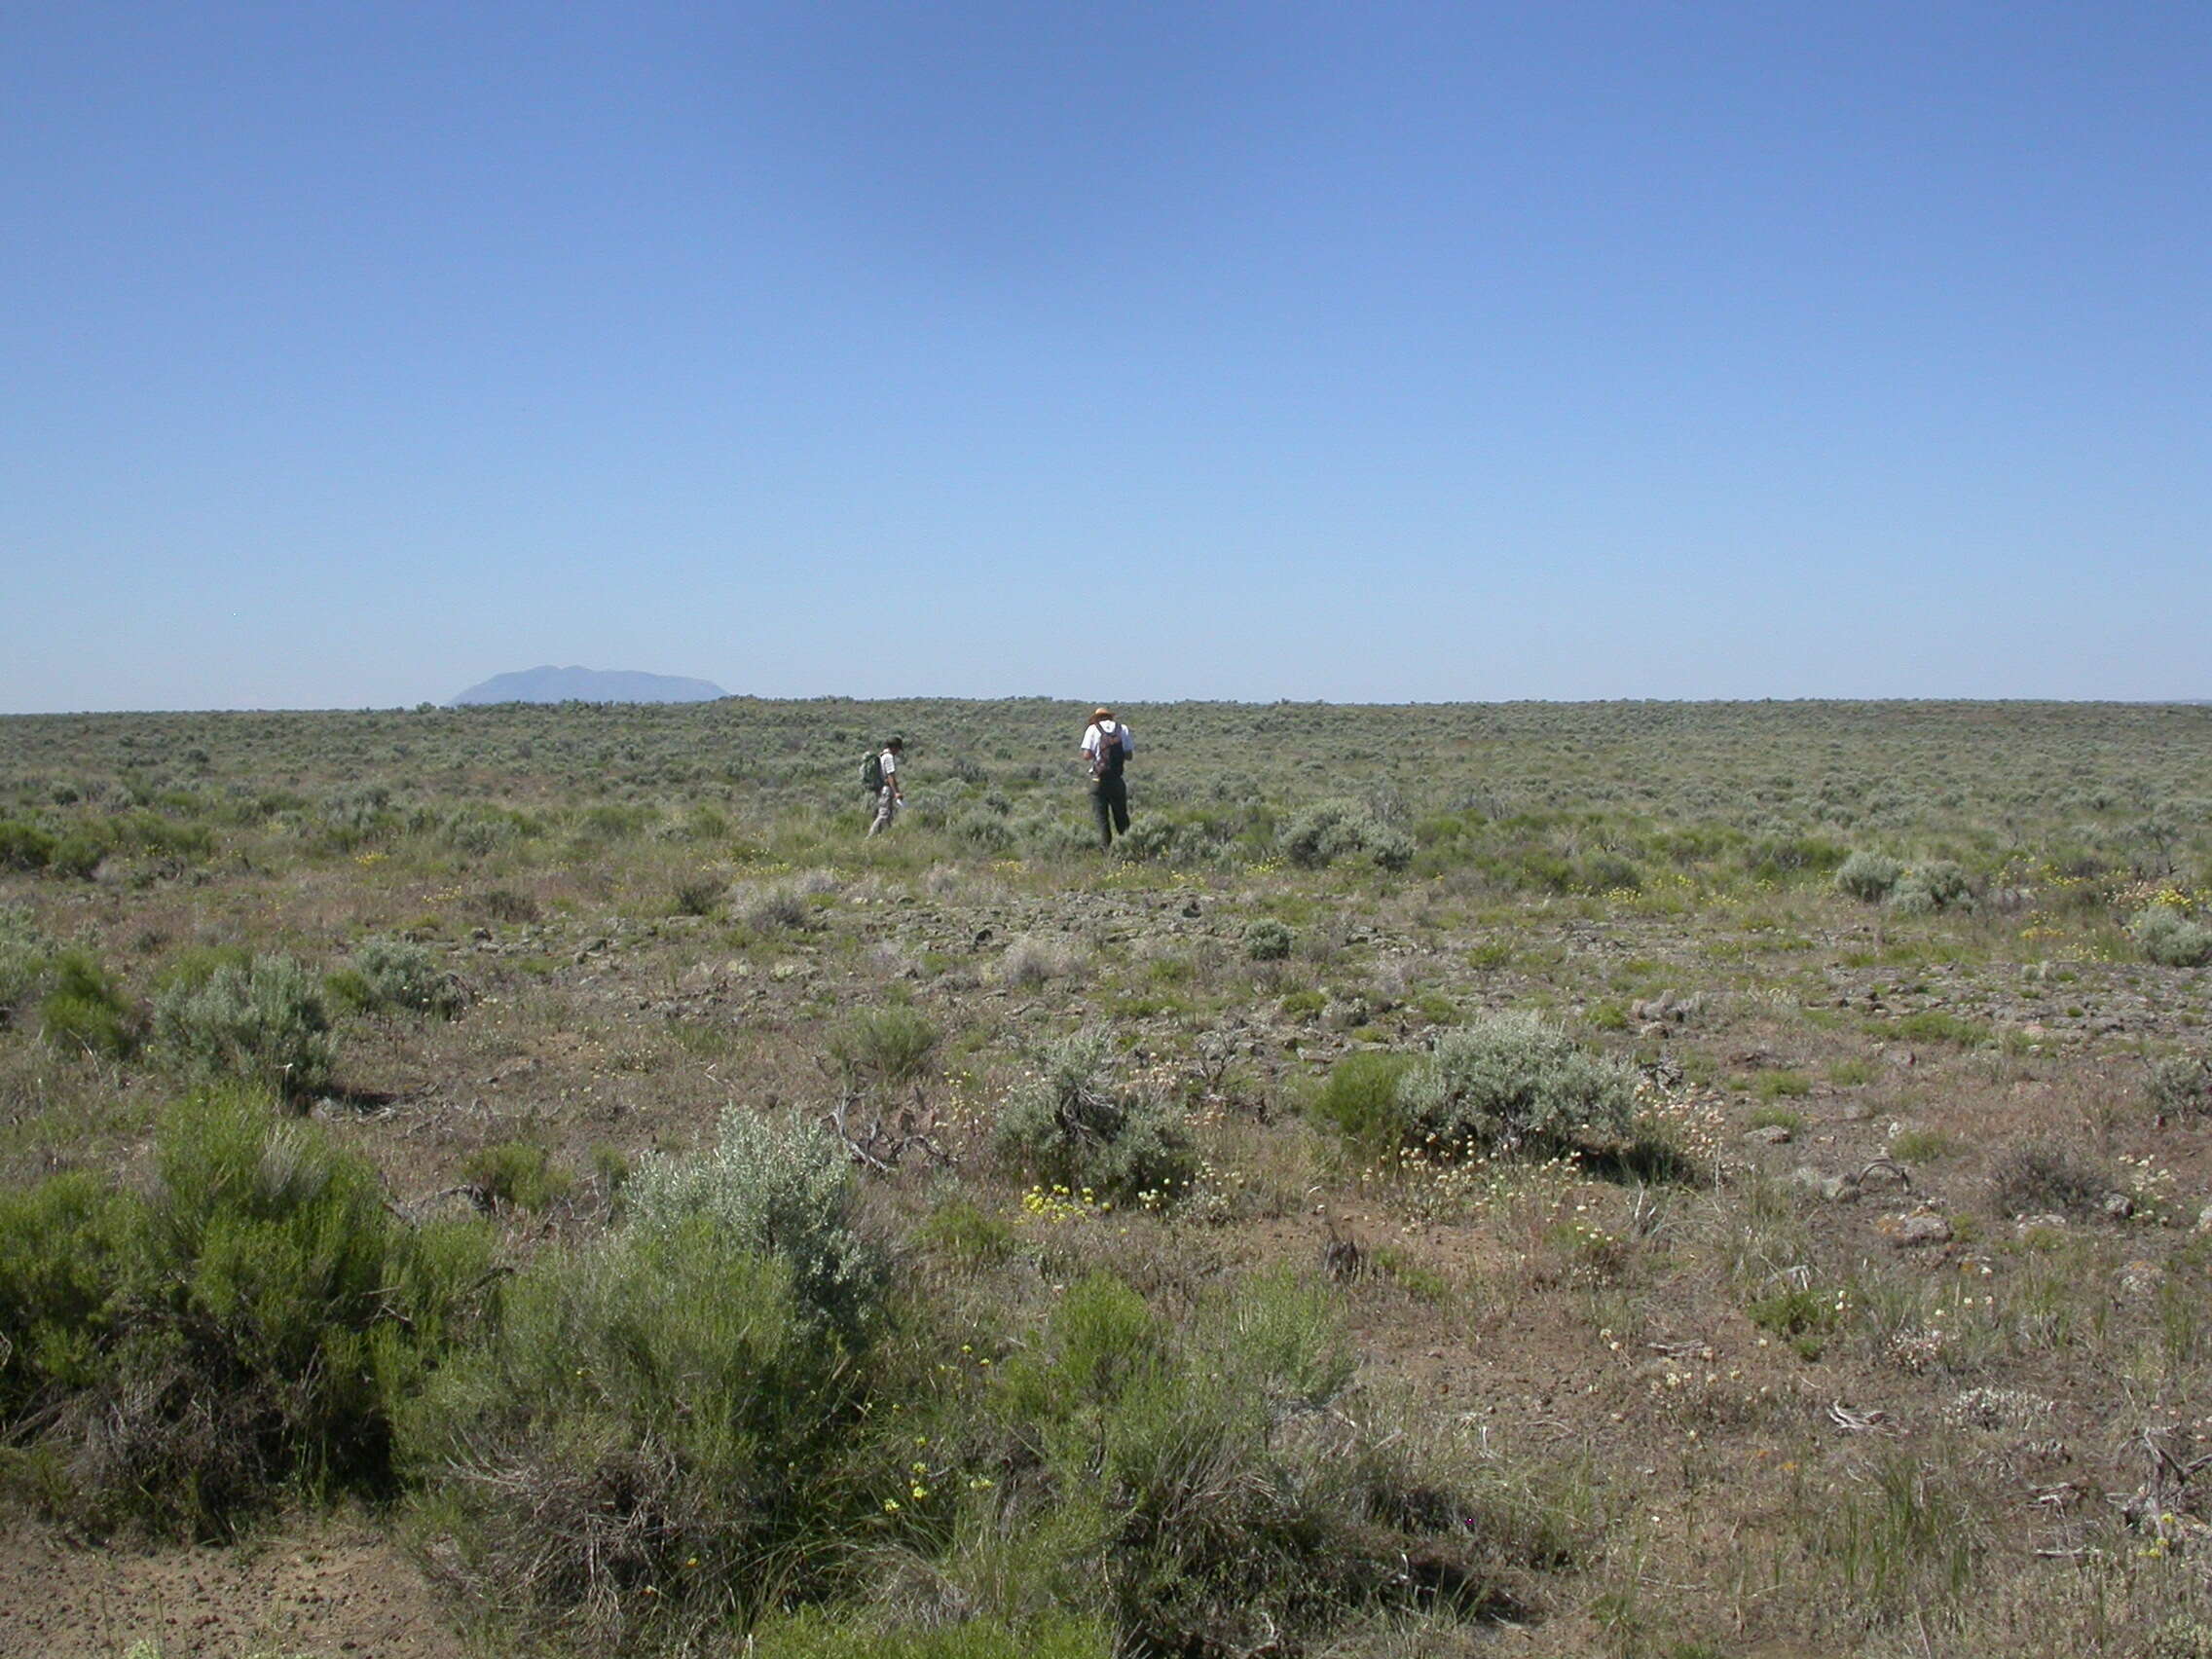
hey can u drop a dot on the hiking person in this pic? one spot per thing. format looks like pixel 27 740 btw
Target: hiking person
pixel 881 773
pixel 1107 748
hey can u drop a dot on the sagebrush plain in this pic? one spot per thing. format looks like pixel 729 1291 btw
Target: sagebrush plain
pixel 1615 1179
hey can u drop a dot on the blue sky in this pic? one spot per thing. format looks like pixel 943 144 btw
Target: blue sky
pixel 353 353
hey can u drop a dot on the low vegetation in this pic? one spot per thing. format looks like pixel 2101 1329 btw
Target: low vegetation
pixel 1636 1181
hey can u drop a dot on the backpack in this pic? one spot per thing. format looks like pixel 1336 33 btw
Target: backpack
pixel 872 772
pixel 1107 762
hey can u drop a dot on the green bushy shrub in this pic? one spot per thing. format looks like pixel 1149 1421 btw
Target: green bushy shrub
pixel 264 1022
pixel 78 854
pixel 1786 858
pixel 1868 876
pixel 782 1188
pixel 397 974
pixel 1510 1083
pixel 23 847
pixel 890 1044
pixel 517 1174
pixel 1359 1098
pixel 1333 830
pixel 85 1009
pixel 1071 1125
pixel 656 1438
pixel 1197 1463
pixel 253 1321
pixel 2172 939
pixel 61 1246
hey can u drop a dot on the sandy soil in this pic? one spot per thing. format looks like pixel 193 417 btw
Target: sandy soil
pixel 323 1588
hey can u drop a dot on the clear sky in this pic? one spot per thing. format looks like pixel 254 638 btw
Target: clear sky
pixel 351 354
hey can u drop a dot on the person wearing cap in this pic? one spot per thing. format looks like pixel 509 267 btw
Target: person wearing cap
pixel 890 798
pixel 1107 748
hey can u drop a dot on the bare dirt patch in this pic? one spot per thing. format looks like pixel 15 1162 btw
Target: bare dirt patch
pixel 325 1587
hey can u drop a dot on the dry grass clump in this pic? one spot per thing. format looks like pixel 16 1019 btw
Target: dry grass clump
pixel 1032 960
pixel 2047 1176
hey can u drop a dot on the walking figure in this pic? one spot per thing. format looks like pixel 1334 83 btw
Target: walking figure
pixel 1107 748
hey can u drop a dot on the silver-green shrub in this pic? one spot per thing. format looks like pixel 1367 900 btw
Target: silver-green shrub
pixel 1868 876
pixel 1267 939
pixel 2181 1085
pixel 1510 1083
pixel 265 1022
pixel 778 1186
pixel 1072 1123
pixel 1333 830
pixel 1927 888
pixel 399 973
pixel 2170 938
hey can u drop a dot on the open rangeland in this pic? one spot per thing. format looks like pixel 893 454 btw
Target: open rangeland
pixel 1623 1179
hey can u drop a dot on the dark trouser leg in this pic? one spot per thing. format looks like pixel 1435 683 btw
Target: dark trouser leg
pixel 1110 806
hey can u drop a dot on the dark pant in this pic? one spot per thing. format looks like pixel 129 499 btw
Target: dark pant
pixel 1110 805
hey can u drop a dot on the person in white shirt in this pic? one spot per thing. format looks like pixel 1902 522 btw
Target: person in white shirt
pixel 890 798
pixel 1106 747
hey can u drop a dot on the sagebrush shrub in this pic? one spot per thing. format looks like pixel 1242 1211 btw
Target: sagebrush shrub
pixel 1511 1082
pixel 2181 1085
pixel 779 1187
pixel 2170 938
pixel 387 974
pixel 1072 1123
pixel 1868 876
pixel 1267 939
pixel 265 1022
pixel 1333 830
pixel 1927 888
pixel 985 832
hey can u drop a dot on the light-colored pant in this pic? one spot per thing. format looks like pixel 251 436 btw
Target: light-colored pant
pixel 886 808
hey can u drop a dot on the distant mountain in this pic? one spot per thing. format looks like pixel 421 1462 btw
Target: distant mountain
pixel 588 685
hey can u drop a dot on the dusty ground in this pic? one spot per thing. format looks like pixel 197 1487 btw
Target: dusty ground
pixel 321 1587
pixel 593 1032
